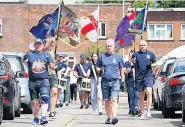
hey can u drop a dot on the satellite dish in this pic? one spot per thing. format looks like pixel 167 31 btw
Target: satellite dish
pixel 31 46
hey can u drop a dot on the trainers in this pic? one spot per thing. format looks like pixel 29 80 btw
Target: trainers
pixel 108 121
pixel 81 107
pixel 87 106
pixel 149 115
pixel 52 114
pixel 142 117
pixel 93 112
pixel 43 120
pixel 35 121
pixel 114 121
pixel 100 113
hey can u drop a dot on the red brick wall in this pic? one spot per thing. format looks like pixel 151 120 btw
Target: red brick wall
pixel 19 18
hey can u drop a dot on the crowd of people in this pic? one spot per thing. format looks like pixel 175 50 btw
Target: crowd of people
pixel 53 83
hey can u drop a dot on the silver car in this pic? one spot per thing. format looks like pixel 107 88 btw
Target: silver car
pixel 20 68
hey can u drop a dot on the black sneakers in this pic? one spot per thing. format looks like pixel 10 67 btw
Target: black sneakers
pixel 108 121
pixel 81 107
pixel 114 121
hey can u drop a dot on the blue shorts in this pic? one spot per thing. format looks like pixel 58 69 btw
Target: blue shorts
pixel 142 84
pixel 38 88
pixel 110 89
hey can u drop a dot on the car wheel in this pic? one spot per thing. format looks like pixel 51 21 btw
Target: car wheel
pixel 27 109
pixel 183 111
pixel 155 105
pixel 1 107
pixel 159 104
pixel 18 111
pixel 168 112
pixel 9 113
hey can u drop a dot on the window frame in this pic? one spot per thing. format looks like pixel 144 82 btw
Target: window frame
pixel 155 25
pixel 182 32
pixel 100 30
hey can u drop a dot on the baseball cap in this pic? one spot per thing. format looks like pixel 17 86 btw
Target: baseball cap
pixel 61 55
pixel 38 40
pixel 82 56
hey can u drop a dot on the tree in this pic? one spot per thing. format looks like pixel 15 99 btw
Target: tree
pixel 94 49
pixel 142 3
pixel 103 1
pixel 170 4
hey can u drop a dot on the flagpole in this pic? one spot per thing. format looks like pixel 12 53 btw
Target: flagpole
pixel 98 29
pixel 146 11
pixel 58 25
pixel 123 50
pixel 135 34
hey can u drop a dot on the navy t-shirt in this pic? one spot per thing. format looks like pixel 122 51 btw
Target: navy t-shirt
pixel 129 78
pixel 141 66
pixel 38 64
pixel 111 64
pixel 61 65
pixel 77 68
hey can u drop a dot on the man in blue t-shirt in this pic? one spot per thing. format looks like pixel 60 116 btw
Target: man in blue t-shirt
pixel 144 60
pixel 39 86
pixel 113 68
pixel 81 71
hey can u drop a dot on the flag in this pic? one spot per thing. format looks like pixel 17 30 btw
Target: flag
pixel 69 27
pixel 123 38
pixel 89 26
pixel 138 26
pixel 46 26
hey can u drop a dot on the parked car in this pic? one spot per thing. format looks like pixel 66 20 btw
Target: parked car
pixel 21 70
pixel 159 81
pixel 182 81
pixel 11 91
pixel 172 91
pixel 2 72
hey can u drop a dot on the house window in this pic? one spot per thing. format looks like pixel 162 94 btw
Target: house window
pixel 160 32
pixel 1 34
pixel 183 32
pixel 102 30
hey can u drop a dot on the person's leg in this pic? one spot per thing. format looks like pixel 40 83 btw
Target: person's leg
pixel 106 96
pixel 93 95
pixel 75 93
pixel 58 95
pixel 72 91
pixel 44 90
pixel 80 95
pixel 131 98
pixel 141 101
pixel 99 97
pixel 86 96
pixel 149 98
pixel 34 95
pixel 69 92
pixel 136 99
pixel 54 89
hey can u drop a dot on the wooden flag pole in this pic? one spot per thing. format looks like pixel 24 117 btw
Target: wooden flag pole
pixel 58 26
pixel 135 34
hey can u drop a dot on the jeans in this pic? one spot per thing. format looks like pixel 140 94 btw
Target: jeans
pixel 65 94
pixel 73 92
pixel 133 98
pixel 96 95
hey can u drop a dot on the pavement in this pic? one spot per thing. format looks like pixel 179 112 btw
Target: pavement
pixel 72 116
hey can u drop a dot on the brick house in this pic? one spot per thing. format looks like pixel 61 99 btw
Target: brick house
pixel 166 29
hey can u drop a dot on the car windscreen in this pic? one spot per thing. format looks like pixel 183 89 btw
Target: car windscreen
pixel 15 63
pixel 180 66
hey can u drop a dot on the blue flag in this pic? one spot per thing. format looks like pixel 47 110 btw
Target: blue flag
pixel 46 26
pixel 123 38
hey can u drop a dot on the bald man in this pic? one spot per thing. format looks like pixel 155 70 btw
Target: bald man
pixel 113 68
pixel 144 60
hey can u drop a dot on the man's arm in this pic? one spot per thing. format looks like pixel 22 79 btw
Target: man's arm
pixel 122 73
pixel 52 66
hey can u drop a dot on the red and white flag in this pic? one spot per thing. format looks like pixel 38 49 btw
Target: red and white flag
pixel 89 26
pixel 131 16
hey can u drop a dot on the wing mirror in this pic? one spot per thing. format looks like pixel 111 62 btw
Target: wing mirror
pixel 182 80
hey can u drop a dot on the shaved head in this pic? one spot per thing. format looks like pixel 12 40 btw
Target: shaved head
pixel 143 45
pixel 110 46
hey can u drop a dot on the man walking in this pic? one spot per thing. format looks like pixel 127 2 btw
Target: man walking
pixel 144 60
pixel 113 68
pixel 82 70
pixel 39 86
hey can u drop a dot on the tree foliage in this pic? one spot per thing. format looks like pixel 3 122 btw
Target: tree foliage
pixel 103 1
pixel 171 4
pixel 142 3
pixel 94 49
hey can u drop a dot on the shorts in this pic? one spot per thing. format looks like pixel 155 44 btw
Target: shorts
pixel 53 80
pixel 39 88
pixel 142 84
pixel 110 89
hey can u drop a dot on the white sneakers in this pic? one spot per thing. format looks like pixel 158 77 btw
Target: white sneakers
pixel 147 116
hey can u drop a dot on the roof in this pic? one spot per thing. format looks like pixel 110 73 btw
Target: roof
pixel 159 9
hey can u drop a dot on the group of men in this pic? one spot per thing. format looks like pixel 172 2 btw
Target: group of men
pixel 105 73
